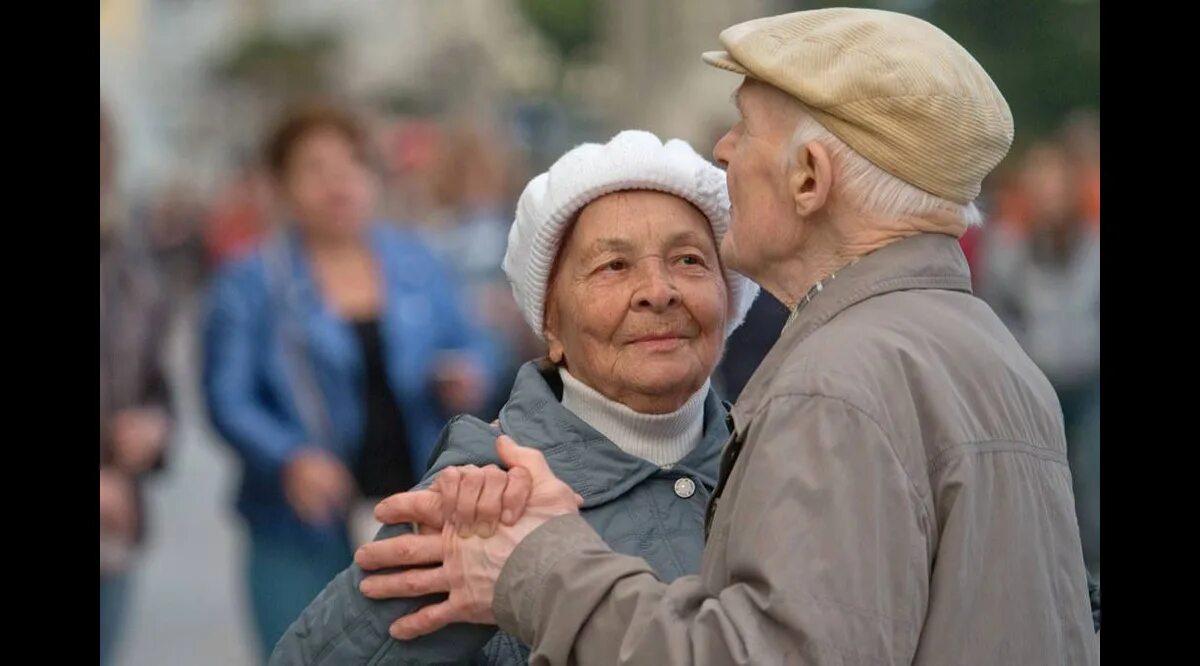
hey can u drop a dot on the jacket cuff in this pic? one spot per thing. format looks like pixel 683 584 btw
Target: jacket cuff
pixel 516 602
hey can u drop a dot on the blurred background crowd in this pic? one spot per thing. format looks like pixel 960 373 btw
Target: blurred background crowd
pixel 301 198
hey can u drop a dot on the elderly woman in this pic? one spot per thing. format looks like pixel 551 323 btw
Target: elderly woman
pixel 333 354
pixel 613 260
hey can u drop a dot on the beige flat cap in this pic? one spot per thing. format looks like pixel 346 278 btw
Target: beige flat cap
pixel 895 88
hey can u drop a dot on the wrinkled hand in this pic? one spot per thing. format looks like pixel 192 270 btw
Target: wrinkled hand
pixel 469 504
pixel 494 490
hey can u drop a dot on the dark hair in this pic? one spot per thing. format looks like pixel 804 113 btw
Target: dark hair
pixel 299 122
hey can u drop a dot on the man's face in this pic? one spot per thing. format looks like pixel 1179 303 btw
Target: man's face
pixel 754 153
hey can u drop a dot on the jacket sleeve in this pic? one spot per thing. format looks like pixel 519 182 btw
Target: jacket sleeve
pixel 818 555
pixel 341 627
pixel 263 441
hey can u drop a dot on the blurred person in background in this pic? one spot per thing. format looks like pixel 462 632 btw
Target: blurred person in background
pixel 135 412
pixel 1004 205
pixel 412 148
pixel 1045 285
pixel 1081 138
pixel 173 225
pixel 240 217
pixel 333 354
pixel 472 182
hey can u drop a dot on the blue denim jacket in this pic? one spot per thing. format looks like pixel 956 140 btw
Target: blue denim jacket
pixel 282 371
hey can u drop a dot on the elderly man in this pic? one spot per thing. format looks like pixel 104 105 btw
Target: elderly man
pixel 896 488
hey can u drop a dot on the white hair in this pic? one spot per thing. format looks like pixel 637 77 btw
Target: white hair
pixel 869 188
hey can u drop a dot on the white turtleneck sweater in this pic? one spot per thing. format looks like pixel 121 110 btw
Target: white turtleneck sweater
pixel 663 439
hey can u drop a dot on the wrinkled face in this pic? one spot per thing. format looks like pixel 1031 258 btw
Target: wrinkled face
pixel 328 188
pixel 637 304
pixel 754 153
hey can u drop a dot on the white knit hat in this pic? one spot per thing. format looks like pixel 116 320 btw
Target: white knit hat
pixel 632 160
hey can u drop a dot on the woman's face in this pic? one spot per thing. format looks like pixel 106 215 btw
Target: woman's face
pixel 637 304
pixel 327 187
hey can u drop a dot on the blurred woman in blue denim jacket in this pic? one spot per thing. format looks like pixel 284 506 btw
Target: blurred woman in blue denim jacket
pixel 332 355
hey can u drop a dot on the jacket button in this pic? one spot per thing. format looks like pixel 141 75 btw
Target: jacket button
pixel 685 487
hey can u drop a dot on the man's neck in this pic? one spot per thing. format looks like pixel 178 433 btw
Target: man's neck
pixel 824 252
pixel 840 243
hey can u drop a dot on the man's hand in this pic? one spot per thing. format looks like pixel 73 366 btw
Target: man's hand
pixel 495 491
pixel 472 565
